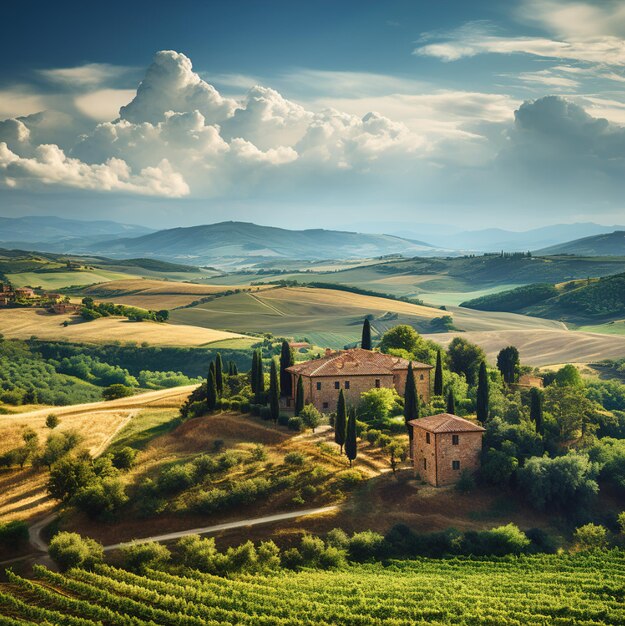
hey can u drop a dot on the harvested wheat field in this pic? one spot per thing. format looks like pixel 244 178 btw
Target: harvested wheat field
pixel 26 323
pixel 544 347
pixel 156 294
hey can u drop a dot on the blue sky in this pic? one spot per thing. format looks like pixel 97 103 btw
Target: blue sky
pixel 309 114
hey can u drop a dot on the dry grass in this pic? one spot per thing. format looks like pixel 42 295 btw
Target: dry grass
pixel 544 347
pixel 26 323
pixel 155 294
pixel 23 491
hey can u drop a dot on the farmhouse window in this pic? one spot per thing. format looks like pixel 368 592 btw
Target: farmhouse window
pixel 318 386
pixel 337 384
pixel 455 465
pixel 455 440
pixel 377 383
pixel 425 463
pixel 427 437
pixel 347 384
pixel 421 377
pixel 325 405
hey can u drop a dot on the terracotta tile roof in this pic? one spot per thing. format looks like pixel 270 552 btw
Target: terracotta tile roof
pixel 446 423
pixel 354 362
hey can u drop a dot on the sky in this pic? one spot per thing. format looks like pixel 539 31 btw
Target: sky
pixel 337 114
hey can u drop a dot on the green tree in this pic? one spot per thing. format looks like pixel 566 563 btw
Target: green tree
pixel 260 379
pixel 274 391
pixel 568 376
pixel 365 342
pixel 70 550
pixel 536 408
pixel 405 338
pixel 396 454
pixel 286 360
pixel 233 370
pixel 219 377
pixel 310 416
pixel 211 390
pixel 377 404
pixel 438 375
pixel 411 402
pixel 451 402
pixel 351 445
pixel 299 396
pixel 254 371
pixel 570 409
pixel 113 392
pixel 52 421
pixel 340 423
pixel 508 364
pixel 482 393
pixel 465 358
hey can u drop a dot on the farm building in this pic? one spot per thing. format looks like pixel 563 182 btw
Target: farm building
pixel 527 381
pixel 443 446
pixel 354 371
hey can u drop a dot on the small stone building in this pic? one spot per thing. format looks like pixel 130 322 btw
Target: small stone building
pixel 354 371
pixel 443 446
pixel 528 381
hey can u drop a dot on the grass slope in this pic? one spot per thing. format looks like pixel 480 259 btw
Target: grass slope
pixel 607 244
pixel 326 317
pixel 26 323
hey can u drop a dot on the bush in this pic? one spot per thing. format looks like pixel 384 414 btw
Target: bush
pixel 296 424
pixel 244 406
pixel 204 465
pixel 113 392
pixel 102 498
pixel 466 482
pixel 372 436
pixel 140 556
pixel 283 419
pixel 259 453
pixel 294 458
pixel 265 413
pixel 367 545
pixel 52 421
pixel 13 536
pixel 349 478
pixel 176 478
pixel 310 416
pixel 124 458
pixel 71 550
pixel 590 537
pixel 541 541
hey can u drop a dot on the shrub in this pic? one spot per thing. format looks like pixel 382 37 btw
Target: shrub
pixel 296 424
pixel 176 478
pixel 112 392
pixel 244 406
pixel 204 465
pixel 310 416
pixel 294 458
pixel 218 445
pixel 13 535
pixel 499 541
pixel 259 453
pixel 283 419
pixel 228 459
pixel 372 436
pixel 541 541
pixel 590 537
pixel 367 545
pixel 140 556
pixel 71 550
pixel 52 421
pixel 349 478
pixel 466 482
pixel 621 522
pixel 265 413
pixel 124 458
pixel 102 498
pixel 337 538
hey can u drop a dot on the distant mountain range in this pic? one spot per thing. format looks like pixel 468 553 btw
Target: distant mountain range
pixel 57 234
pixel 607 244
pixel 237 244
pixel 241 243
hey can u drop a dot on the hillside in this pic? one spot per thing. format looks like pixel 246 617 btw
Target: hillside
pixel 237 243
pixel 610 244
pixel 325 317
pixel 601 299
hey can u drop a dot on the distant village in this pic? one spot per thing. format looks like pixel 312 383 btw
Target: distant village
pixel 13 297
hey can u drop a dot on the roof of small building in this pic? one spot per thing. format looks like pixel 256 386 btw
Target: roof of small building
pixel 354 362
pixel 446 423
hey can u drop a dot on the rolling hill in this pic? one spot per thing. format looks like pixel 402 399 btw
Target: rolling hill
pixel 242 243
pixel 609 244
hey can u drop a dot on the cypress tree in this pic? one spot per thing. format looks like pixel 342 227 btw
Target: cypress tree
pixel 411 402
pixel 211 368
pixel 340 422
pixel 365 342
pixel 438 375
pixel 235 369
pixel 299 396
pixel 451 402
pixel 482 393
pixel 286 360
pixel 260 379
pixel 211 389
pixel 274 391
pixel 351 446
pixel 219 376
pixel 536 409
pixel 254 372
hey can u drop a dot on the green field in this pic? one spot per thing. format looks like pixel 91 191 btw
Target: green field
pixel 58 280
pixel 531 590
pixel 325 317
pixel 611 328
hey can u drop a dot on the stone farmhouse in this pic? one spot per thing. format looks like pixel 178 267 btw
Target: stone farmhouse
pixel 443 446
pixel 354 371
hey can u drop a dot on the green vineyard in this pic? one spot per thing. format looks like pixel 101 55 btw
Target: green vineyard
pixel 565 589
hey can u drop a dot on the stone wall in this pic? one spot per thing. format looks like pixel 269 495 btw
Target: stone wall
pixel 440 453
